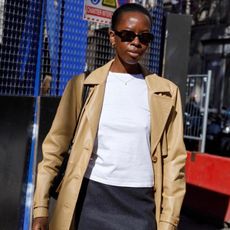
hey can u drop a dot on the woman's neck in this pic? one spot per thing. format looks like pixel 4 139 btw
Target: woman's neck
pixel 119 67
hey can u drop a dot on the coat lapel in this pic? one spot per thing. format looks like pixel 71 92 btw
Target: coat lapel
pixel 93 105
pixel 161 103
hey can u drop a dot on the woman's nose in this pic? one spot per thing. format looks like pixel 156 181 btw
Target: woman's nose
pixel 136 40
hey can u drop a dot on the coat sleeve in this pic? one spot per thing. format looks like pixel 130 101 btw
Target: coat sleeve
pixel 56 142
pixel 173 189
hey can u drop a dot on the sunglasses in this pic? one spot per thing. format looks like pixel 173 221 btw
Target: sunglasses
pixel 128 36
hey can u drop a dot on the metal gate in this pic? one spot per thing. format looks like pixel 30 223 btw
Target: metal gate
pixel 196 110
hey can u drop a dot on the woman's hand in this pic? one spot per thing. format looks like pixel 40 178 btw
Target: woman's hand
pixel 40 223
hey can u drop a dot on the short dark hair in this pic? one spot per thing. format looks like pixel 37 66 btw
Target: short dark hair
pixel 128 7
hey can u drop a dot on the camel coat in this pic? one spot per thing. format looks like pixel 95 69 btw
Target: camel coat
pixel 167 148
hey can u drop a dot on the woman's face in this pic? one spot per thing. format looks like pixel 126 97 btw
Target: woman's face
pixel 129 51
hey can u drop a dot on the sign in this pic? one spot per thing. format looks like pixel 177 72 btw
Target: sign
pixel 101 11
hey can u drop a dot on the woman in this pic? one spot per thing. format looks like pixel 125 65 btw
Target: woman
pixel 126 167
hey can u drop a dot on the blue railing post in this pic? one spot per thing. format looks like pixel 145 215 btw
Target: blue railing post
pixel 34 140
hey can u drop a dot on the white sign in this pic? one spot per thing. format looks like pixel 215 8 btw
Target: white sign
pixel 101 11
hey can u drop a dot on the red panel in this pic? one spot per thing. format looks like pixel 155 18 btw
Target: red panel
pixel 209 172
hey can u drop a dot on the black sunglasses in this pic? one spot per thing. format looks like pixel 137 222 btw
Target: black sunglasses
pixel 128 36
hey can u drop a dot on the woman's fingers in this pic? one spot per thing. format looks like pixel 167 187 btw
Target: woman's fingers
pixel 40 223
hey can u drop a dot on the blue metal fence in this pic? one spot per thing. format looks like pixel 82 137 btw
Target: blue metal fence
pixel 19 46
pixel 155 49
pixel 64 45
pixel 67 40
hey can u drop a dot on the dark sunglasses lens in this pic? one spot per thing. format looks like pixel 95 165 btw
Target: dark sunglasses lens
pixel 146 37
pixel 127 36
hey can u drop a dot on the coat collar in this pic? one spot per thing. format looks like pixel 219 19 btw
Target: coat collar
pixel 99 76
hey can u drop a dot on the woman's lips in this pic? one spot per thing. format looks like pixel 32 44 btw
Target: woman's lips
pixel 133 54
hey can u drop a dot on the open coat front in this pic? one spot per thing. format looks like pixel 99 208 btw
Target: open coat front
pixel 167 148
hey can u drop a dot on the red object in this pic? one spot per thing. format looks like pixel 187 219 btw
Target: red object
pixel 208 171
pixel 208 184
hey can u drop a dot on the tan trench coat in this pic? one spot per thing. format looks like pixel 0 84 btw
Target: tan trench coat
pixel 167 148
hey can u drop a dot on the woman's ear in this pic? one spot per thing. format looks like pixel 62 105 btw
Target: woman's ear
pixel 111 37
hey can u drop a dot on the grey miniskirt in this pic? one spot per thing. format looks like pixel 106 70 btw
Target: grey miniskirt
pixel 106 207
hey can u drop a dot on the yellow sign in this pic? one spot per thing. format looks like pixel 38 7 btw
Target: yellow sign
pixel 110 3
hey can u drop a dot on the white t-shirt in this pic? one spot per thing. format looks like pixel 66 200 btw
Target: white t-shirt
pixel 121 154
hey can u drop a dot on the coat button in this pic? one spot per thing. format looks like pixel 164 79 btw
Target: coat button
pixel 154 159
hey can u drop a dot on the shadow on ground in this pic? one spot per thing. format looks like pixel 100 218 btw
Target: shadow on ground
pixel 189 222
